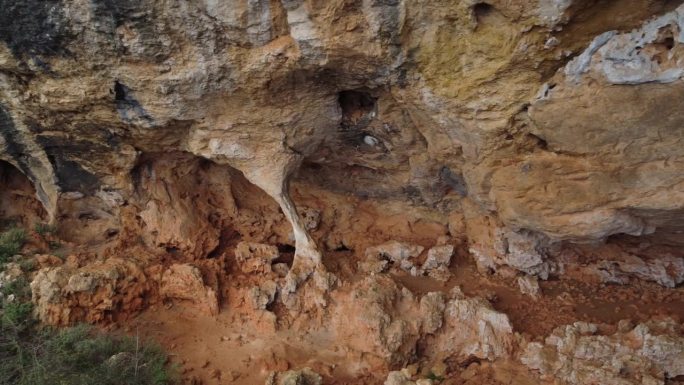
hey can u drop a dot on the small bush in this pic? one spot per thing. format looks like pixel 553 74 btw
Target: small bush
pixel 27 265
pixel 19 287
pixel 72 356
pixel 11 242
pixel 44 229
pixel 54 245
pixel 16 315
pixel 47 233
pixel 80 356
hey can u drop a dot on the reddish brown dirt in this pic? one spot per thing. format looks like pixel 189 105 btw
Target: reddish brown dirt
pixel 564 301
pixel 236 348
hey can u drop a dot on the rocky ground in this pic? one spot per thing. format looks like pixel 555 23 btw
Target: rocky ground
pixel 400 313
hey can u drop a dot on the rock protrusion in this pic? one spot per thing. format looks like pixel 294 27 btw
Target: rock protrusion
pixel 255 257
pixel 64 294
pixel 578 354
pixel 304 376
pixel 665 270
pixel 438 261
pixel 393 253
pixel 185 282
pixel 263 295
pixel 387 321
pixel 529 285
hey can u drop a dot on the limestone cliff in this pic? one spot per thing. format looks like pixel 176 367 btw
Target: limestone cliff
pixel 554 118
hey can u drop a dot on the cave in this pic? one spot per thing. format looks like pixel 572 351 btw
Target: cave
pixel 191 207
pixel 356 105
pixel 481 11
pixel 19 205
pixel 119 91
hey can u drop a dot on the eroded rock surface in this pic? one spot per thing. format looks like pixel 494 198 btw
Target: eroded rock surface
pixel 387 321
pixel 255 257
pixel 437 105
pixel 648 353
pixel 67 294
pixel 305 376
pixel 185 282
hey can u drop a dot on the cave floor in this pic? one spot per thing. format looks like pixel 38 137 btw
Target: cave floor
pixel 243 347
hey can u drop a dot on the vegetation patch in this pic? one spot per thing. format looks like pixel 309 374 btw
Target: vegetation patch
pixel 11 242
pixel 81 355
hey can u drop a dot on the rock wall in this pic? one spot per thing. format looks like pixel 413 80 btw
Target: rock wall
pixel 554 120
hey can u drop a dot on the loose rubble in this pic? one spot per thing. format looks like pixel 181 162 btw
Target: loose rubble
pixel 648 353
pixel 185 282
pixel 529 285
pixel 305 376
pixel 255 257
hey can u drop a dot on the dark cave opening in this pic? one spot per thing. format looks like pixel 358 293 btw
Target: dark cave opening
pixel 286 254
pixel 18 202
pixel 482 10
pixel 119 91
pixel 358 107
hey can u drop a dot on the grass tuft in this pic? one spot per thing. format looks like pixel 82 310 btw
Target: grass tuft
pixel 81 355
pixel 44 229
pixel 11 242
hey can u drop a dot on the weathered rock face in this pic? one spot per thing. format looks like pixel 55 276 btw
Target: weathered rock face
pixel 645 354
pixel 425 102
pixel 185 282
pixel 612 157
pixel 95 293
pixel 385 322
pixel 537 137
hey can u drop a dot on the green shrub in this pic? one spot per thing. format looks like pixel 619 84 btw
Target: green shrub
pixel 16 315
pixel 19 287
pixel 73 356
pixel 44 229
pixel 27 264
pixel 81 356
pixel 11 242
pixel 47 233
